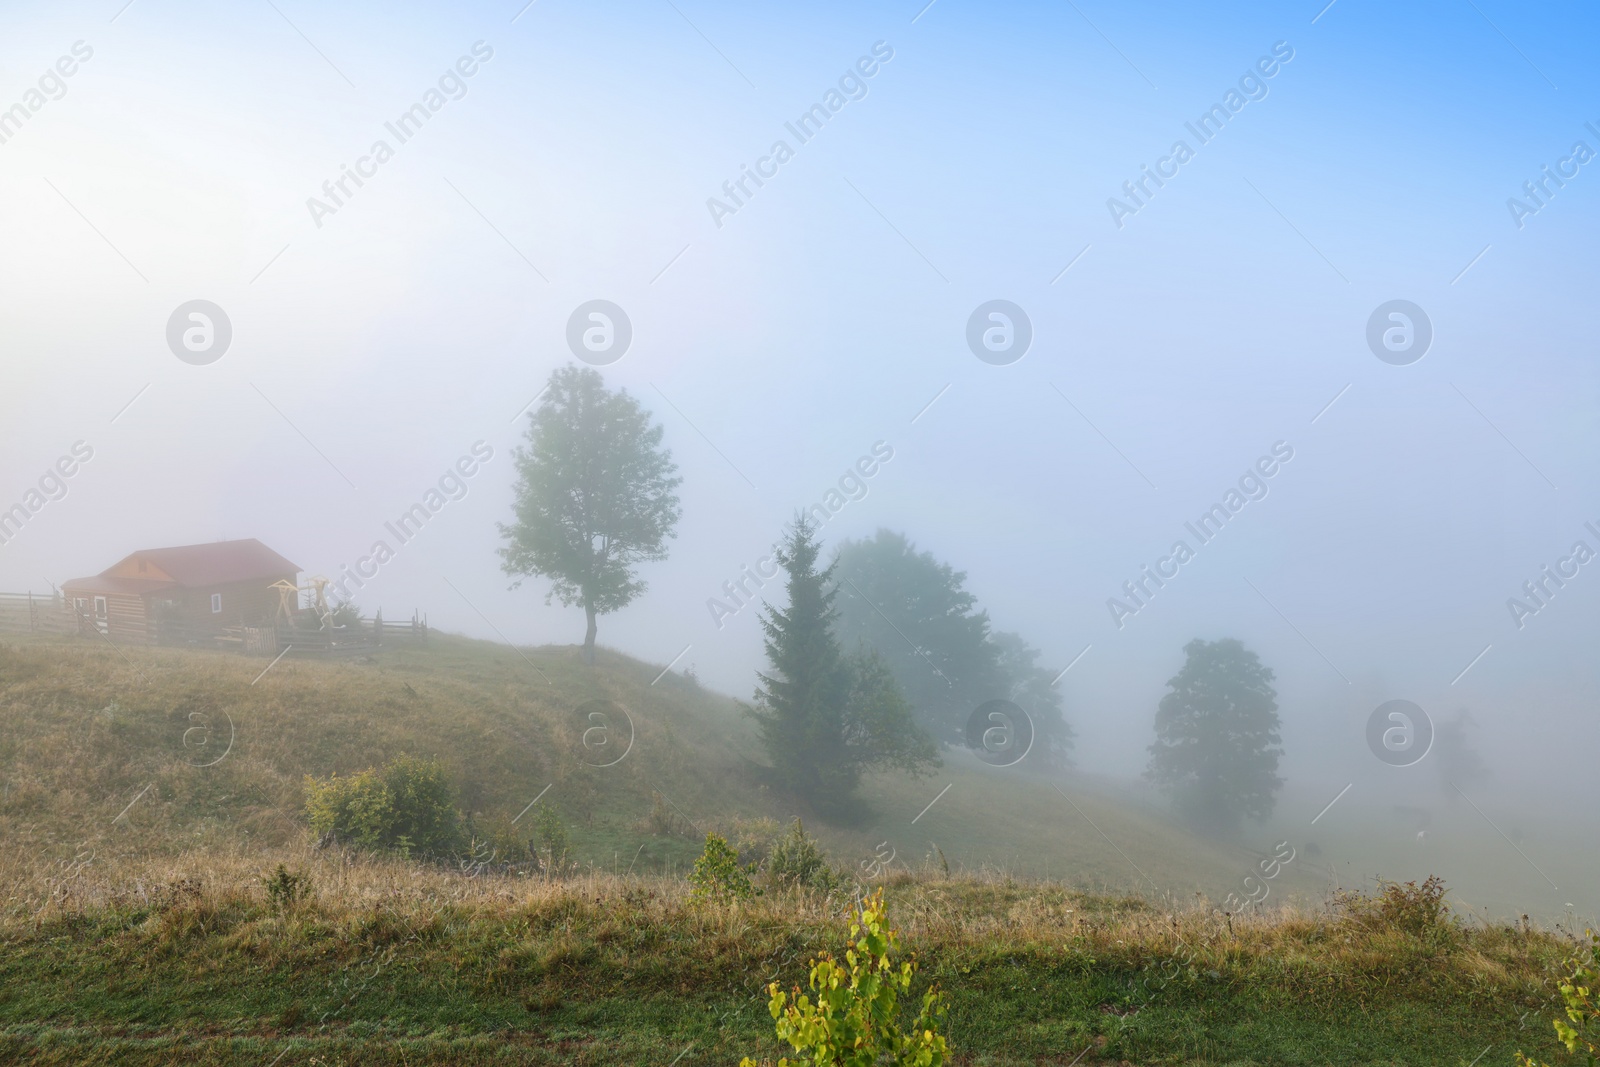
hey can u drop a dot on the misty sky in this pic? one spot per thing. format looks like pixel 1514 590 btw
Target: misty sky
pixel 1175 341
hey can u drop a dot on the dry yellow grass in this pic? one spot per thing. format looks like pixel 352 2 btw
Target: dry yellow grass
pixel 93 754
pixel 633 969
pixel 988 909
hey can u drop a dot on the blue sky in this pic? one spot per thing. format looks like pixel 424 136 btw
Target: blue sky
pixel 371 351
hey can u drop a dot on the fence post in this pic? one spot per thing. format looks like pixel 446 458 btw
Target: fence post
pixel 377 630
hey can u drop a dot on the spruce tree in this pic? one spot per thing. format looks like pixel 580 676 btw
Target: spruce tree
pixel 824 716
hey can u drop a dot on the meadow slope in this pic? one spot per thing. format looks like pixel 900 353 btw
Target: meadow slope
pixel 88 728
pixel 135 926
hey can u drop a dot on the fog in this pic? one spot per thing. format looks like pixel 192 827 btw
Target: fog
pixel 1182 330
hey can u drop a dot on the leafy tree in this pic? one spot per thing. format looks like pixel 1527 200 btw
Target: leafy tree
pixel 594 496
pixel 1460 766
pixel 913 610
pixel 917 614
pixel 1215 753
pixel 824 717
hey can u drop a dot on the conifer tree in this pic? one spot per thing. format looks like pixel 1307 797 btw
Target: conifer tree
pixel 823 716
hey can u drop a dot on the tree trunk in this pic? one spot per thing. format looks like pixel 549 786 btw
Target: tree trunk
pixel 588 636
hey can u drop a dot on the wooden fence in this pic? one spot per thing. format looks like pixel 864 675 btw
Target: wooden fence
pixel 301 638
pixel 47 613
pixel 360 637
pixel 35 613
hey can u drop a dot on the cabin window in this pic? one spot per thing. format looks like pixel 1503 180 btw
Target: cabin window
pixel 99 607
pixel 216 603
pixel 80 604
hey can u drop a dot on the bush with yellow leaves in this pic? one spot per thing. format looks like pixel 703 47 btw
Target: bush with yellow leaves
pixel 855 1019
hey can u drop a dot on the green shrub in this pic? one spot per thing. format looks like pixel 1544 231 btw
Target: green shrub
pixel 1419 910
pixel 717 875
pixel 406 807
pixel 1580 990
pixel 855 1021
pixel 659 822
pixel 1414 908
pixel 500 841
pixel 753 839
pixel 345 613
pixel 496 844
pixel 552 834
pixel 795 860
pixel 352 811
pixel 286 889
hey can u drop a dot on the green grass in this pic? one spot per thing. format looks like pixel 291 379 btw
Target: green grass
pixel 388 964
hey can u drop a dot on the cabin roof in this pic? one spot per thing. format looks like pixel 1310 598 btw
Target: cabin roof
pixel 190 567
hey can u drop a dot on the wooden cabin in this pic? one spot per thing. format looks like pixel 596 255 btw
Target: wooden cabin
pixel 166 594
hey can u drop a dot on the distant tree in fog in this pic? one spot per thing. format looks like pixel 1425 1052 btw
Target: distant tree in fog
pixel 1215 753
pixel 594 495
pixel 1033 689
pixel 917 614
pixel 1460 765
pixel 824 716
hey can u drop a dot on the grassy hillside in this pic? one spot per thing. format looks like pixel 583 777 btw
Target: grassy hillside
pixel 135 928
pixel 86 729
